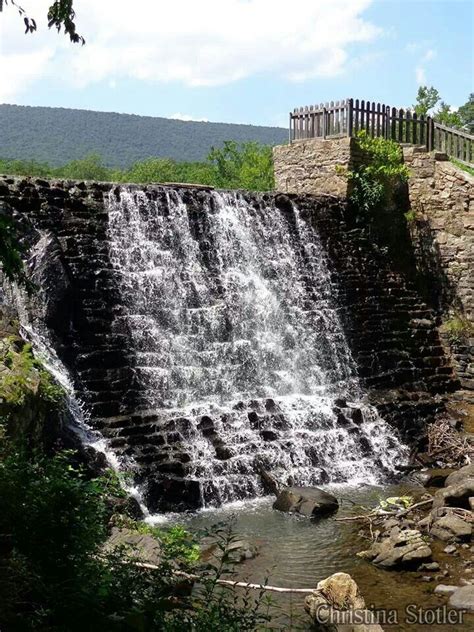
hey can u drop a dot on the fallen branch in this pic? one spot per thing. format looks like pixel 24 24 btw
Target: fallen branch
pixel 415 506
pixel 374 514
pixel 226 582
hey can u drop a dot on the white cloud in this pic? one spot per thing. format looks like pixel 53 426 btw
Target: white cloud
pixel 188 117
pixel 205 43
pixel 420 74
pixel 19 70
pixel 423 58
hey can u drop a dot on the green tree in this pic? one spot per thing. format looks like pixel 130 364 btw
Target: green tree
pixel 61 15
pixel 426 99
pixel 445 116
pixel 152 170
pixel 89 168
pixel 245 166
pixel 466 113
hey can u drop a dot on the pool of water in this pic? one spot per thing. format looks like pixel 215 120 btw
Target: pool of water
pixel 297 552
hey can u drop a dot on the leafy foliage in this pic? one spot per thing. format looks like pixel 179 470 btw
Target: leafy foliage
pixel 446 117
pixel 56 575
pixel 426 99
pixel 466 112
pixel 10 252
pixel 58 135
pixel 243 166
pixel 374 180
pixel 61 15
pixel 26 375
pixel 458 329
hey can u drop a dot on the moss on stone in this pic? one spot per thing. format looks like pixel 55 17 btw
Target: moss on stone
pixel 31 401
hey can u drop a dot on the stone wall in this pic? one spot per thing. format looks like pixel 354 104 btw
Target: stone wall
pixel 441 253
pixel 310 166
pixel 442 229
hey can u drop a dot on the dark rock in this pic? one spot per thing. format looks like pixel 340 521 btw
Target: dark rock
pixel 357 416
pixel 172 494
pixel 223 453
pixel 268 435
pixel 308 501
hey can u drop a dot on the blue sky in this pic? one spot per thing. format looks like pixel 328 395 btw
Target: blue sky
pixel 242 61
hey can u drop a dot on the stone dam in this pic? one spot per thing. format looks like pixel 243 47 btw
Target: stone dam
pixel 210 334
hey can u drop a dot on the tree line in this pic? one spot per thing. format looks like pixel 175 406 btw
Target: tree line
pixel 235 165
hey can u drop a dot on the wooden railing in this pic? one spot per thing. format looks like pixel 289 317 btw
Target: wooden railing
pixel 348 117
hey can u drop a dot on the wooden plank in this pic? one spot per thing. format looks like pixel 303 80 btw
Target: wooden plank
pixel 372 120
pixel 350 114
pixel 408 126
pixel 377 125
pixel 450 129
pixel 401 114
pixel 356 117
pixel 393 124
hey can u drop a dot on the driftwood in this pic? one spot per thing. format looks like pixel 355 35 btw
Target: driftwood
pixel 446 443
pixel 374 515
pixel 227 582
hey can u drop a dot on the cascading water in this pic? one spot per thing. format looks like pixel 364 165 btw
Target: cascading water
pixel 238 346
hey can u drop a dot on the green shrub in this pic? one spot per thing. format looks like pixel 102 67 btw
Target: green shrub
pixel 458 329
pixel 374 180
pixel 245 166
pixel 56 575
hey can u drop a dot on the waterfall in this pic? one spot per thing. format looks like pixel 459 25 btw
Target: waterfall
pixel 239 353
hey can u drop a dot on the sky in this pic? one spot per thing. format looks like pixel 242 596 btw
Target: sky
pixel 238 61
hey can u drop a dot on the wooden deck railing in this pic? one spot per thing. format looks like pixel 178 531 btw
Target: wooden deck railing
pixel 346 118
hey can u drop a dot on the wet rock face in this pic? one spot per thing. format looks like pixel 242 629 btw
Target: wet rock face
pixel 389 330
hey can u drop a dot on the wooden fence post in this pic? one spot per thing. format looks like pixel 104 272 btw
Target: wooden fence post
pixel 350 105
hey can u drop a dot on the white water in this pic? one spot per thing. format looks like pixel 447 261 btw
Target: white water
pixel 230 306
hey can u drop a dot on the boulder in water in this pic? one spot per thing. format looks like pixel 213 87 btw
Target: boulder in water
pixel 308 501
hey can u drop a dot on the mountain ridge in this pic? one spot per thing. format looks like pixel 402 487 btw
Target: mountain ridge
pixel 57 135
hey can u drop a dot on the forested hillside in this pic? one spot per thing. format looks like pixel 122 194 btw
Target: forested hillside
pixel 58 135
